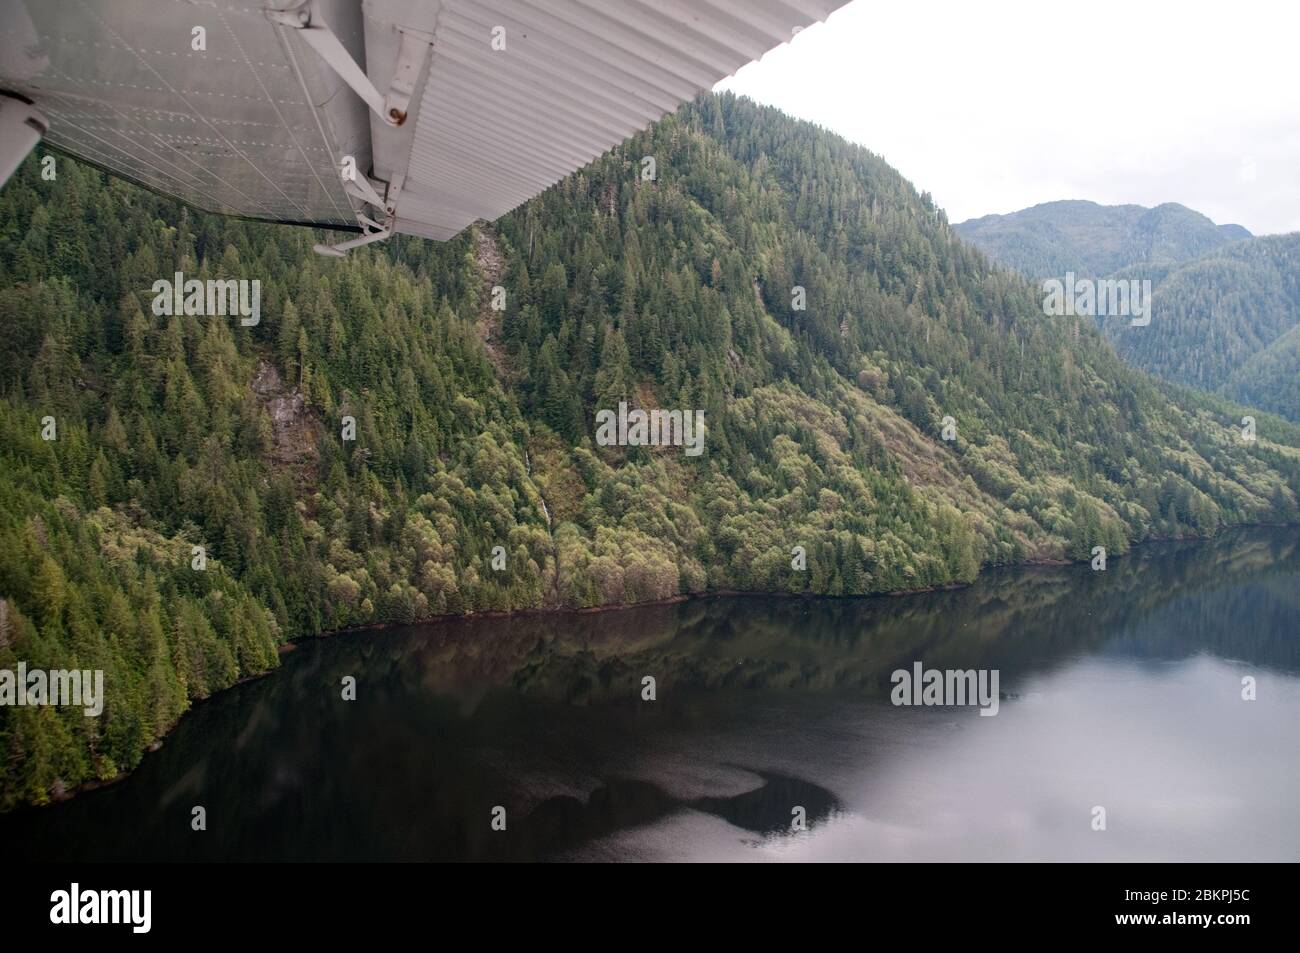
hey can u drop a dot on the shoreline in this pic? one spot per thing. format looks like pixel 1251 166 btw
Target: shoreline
pixel 291 645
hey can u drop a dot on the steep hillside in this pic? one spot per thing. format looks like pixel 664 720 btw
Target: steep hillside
pixel 1270 379
pixel 475 426
pixel 1051 239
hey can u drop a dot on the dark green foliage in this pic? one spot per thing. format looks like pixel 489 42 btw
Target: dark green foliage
pixel 1222 301
pixel 1271 378
pixel 1225 322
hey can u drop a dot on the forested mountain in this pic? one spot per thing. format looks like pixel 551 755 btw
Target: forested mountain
pixel 1224 322
pixel 475 427
pixel 1220 304
pixel 1048 240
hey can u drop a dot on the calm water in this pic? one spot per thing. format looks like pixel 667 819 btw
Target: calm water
pixel 1119 688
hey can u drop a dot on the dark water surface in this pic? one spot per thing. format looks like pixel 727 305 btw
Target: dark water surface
pixel 1120 689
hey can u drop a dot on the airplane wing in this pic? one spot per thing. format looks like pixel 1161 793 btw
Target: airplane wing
pixel 378 116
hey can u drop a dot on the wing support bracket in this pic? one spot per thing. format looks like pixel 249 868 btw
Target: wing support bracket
pixel 361 188
pixel 378 233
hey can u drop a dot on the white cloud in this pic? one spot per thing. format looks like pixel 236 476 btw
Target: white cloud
pixel 992 108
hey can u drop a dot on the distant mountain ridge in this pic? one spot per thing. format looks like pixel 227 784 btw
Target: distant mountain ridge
pixel 1089 239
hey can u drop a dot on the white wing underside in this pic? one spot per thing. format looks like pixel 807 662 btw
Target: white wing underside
pixel 258 123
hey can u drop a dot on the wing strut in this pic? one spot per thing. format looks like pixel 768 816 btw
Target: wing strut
pixel 413 50
pixel 316 33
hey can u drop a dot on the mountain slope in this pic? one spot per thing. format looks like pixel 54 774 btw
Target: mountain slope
pixel 1221 299
pixel 1270 379
pixel 1216 321
pixel 824 423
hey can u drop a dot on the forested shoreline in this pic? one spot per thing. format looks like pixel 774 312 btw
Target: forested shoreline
pixel 474 484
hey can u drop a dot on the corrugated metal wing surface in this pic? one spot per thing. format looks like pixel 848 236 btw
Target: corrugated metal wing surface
pixel 257 123
pixel 576 78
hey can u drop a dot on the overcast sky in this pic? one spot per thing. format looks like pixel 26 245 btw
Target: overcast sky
pixel 993 107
